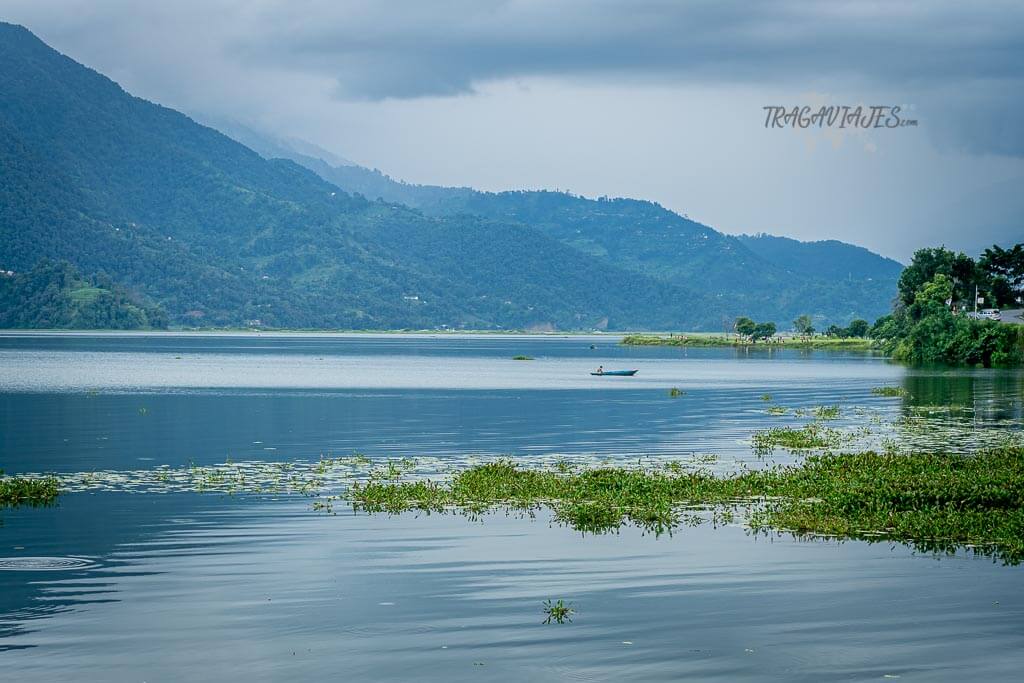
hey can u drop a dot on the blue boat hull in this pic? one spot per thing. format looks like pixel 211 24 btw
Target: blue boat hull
pixel 615 373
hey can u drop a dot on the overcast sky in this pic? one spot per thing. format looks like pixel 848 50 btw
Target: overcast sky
pixel 647 99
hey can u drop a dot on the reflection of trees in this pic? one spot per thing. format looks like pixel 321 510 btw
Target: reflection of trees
pixel 994 395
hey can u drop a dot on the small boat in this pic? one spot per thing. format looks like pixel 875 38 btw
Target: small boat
pixel 615 373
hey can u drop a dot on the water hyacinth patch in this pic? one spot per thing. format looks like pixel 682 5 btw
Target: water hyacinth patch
pixel 936 502
pixel 890 391
pixel 15 491
pixel 803 438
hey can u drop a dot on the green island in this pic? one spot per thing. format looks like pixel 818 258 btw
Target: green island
pixel 934 502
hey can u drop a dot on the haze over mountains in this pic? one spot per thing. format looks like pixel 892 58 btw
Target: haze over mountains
pixel 215 233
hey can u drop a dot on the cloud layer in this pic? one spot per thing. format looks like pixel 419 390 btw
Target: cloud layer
pixel 655 98
pixel 962 62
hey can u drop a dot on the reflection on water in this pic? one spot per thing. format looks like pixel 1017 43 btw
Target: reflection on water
pixel 186 586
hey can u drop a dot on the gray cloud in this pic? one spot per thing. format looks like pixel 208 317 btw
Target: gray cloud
pixel 411 49
pixel 654 99
pixel 962 62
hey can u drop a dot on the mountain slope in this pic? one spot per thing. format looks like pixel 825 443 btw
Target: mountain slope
pixel 55 295
pixel 763 276
pixel 216 234
pixel 824 258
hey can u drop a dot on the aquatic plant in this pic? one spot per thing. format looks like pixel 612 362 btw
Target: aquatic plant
pixel 522 357
pixel 776 410
pixel 889 391
pixel 675 393
pixel 557 612
pixel 766 397
pixel 806 437
pixel 936 502
pixel 15 491
pixel 826 412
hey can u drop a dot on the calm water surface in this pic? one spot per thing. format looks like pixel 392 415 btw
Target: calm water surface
pixel 123 585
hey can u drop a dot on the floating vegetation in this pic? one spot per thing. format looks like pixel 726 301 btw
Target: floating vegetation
pixel 791 438
pixel 766 397
pixel 522 357
pixel 557 612
pixel 826 412
pixel 776 410
pixel 15 491
pixel 935 502
pixel 676 393
pixel 298 477
pixel 890 391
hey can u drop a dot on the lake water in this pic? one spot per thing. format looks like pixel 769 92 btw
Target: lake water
pixel 131 578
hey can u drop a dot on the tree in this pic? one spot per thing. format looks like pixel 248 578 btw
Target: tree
pixel 886 327
pixel 1005 271
pixel 804 325
pixel 763 331
pixel 745 326
pixel 961 270
pixel 858 328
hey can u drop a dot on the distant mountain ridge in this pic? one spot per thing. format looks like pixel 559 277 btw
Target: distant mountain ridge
pixel 762 275
pixel 209 231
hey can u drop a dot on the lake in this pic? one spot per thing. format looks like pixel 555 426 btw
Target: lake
pixel 135 575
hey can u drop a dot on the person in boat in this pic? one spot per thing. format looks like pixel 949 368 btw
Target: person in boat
pixel 600 369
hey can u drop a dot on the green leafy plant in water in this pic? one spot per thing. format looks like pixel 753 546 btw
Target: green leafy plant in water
pixel 766 397
pixel 676 393
pixel 826 412
pixel 15 491
pixel 557 612
pixel 935 502
pixel 564 467
pixel 804 438
pixel 889 391
pixel 522 357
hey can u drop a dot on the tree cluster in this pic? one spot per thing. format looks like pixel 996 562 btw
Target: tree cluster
pixel 997 276
pixel 754 331
pixel 929 322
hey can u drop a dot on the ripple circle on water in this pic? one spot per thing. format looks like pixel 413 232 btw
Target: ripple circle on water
pixel 44 564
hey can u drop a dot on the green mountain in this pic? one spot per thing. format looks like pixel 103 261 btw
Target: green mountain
pixel 55 295
pixel 823 259
pixel 766 277
pixel 206 229
pixel 216 234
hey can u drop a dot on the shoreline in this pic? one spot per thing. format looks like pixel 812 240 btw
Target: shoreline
pixel 691 339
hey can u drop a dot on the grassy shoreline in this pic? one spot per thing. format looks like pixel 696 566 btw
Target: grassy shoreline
pixel 850 343
pixel 934 502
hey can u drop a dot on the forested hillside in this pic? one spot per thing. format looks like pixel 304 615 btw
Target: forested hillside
pixel 766 276
pixel 215 234
pixel 55 295
pixel 218 235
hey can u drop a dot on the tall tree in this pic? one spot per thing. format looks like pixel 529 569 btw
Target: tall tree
pixel 858 328
pixel 745 326
pixel 804 325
